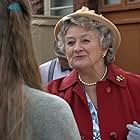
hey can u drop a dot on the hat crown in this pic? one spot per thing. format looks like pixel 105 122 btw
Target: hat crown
pixel 85 10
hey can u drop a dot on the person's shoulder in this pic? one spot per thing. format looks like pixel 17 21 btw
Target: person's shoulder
pixel 132 75
pixel 45 64
pixel 132 78
pixel 51 117
pixel 129 76
pixel 41 98
pixel 45 70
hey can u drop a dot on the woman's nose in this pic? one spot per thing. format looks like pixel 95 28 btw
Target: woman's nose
pixel 78 46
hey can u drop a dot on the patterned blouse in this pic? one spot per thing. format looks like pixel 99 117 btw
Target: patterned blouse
pixel 94 114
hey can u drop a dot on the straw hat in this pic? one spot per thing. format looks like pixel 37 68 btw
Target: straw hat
pixel 85 12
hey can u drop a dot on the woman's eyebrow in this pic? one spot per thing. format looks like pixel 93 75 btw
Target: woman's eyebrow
pixel 69 37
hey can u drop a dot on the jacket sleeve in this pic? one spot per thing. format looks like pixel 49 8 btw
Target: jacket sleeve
pixel 133 84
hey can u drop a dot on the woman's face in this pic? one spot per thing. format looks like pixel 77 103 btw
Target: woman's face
pixel 83 48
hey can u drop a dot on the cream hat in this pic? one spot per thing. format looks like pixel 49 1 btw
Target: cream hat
pixel 85 12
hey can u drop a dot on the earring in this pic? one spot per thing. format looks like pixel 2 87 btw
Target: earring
pixel 103 55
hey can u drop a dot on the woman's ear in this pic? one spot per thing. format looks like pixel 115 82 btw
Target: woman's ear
pixel 104 52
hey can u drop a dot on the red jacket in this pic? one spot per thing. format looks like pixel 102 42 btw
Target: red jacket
pixel 118 99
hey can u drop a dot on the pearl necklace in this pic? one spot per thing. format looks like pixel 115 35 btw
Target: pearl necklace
pixel 92 84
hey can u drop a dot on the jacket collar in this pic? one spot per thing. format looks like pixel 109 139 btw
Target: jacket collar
pixel 115 74
pixel 69 80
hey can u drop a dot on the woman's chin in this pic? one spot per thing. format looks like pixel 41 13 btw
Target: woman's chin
pixel 79 66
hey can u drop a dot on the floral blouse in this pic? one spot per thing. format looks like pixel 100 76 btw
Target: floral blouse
pixel 94 114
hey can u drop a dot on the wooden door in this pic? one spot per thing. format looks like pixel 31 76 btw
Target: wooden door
pixel 125 14
pixel 128 55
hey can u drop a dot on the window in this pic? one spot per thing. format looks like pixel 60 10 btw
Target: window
pixel 133 1
pixel 114 5
pixel 110 2
pixel 58 7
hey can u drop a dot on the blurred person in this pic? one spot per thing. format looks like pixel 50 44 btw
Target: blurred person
pixel 103 97
pixel 55 68
pixel 26 112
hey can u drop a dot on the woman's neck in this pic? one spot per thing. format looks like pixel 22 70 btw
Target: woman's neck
pixel 93 74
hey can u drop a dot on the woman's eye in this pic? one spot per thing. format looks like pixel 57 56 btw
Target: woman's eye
pixel 70 43
pixel 86 41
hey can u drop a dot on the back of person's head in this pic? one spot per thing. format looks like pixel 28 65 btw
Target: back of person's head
pixel 58 50
pixel 16 53
pixel 60 53
pixel 17 65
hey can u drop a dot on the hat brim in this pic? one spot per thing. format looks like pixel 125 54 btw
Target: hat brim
pixel 95 17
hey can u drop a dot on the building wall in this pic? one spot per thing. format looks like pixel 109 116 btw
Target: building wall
pixel 43 38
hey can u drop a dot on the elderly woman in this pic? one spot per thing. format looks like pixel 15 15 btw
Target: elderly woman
pixel 26 112
pixel 104 98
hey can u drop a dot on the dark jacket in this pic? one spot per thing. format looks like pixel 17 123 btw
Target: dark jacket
pixel 118 99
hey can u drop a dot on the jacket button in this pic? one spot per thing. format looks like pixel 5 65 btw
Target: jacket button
pixel 113 136
pixel 108 90
pixel 83 137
